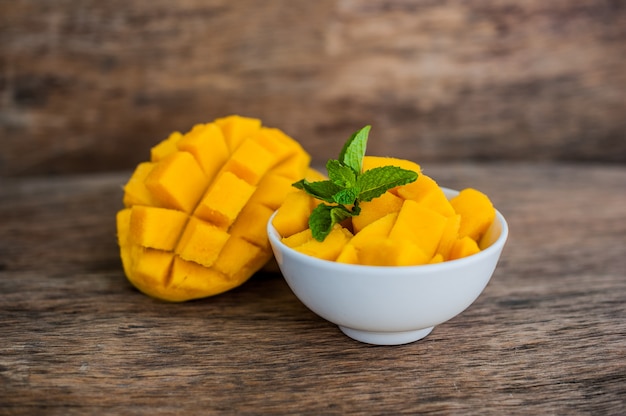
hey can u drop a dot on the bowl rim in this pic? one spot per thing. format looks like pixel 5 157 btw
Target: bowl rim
pixel 493 248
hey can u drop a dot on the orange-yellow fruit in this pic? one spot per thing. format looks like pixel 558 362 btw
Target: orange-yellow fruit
pixel 194 219
pixel 408 225
pixel 477 213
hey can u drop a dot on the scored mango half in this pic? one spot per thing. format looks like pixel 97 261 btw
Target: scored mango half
pixel 194 217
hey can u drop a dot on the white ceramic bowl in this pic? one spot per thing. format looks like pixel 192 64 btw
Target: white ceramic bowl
pixel 389 305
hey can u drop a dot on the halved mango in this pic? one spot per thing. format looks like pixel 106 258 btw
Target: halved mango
pixel 194 223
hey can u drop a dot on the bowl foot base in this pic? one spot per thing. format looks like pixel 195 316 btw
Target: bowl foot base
pixel 386 338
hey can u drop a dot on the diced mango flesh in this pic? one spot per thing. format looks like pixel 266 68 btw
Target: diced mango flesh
pixel 224 200
pixel 135 190
pixel 208 146
pixel 328 249
pixel 177 182
pixel 293 215
pixel 477 212
pixel 195 216
pixel 409 225
pixel 155 227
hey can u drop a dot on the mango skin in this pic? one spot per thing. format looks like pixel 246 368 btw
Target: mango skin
pixel 193 222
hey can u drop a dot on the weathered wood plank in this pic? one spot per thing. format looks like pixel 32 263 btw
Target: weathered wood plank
pixel 546 337
pixel 91 85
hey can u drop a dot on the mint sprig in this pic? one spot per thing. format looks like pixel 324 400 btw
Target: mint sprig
pixel 348 185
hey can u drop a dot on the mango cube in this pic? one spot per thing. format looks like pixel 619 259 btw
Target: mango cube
pixel 156 227
pixel 294 167
pixel 449 236
pixel 330 248
pixel 371 162
pixel 207 145
pixel 236 252
pixel 293 215
pixel 376 230
pixel 420 225
pixel 165 148
pixel 437 201
pixel 135 191
pixel 349 255
pixel 389 252
pixel 375 209
pixel 298 239
pixel 189 278
pixel 463 247
pixel 224 200
pixel 477 212
pixel 271 190
pixel 237 128
pixel 177 182
pixel 251 224
pixel 418 189
pixel 201 242
pixel 150 269
pixel 250 161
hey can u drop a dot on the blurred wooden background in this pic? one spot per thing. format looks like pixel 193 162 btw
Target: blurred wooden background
pixel 89 85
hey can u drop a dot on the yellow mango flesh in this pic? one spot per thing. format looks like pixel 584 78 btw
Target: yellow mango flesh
pixel 375 209
pixel 194 222
pixel 201 242
pixel 477 212
pixel 208 146
pixel 135 190
pixel 391 252
pixel 328 249
pixel 293 215
pixel 376 230
pixel 250 161
pixel 463 247
pixel 371 162
pixel 166 147
pixel 177 182
pixel 419 225
pixel 449 236
pixel 298 239
pixel 409 225
pixel 155 227
pixel 251 224
pixel 224 200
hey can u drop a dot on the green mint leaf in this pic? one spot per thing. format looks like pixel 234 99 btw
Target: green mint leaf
pixel 340 174
pixel 348 185
pixel 353 151
pixel 346 196
pixel 375 182
pixel 324 217
pixel 324 190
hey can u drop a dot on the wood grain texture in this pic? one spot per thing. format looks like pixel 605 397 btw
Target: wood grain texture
pixel 547 336
pixel 90 85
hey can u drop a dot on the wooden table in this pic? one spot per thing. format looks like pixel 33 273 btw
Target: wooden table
pixel 547 336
